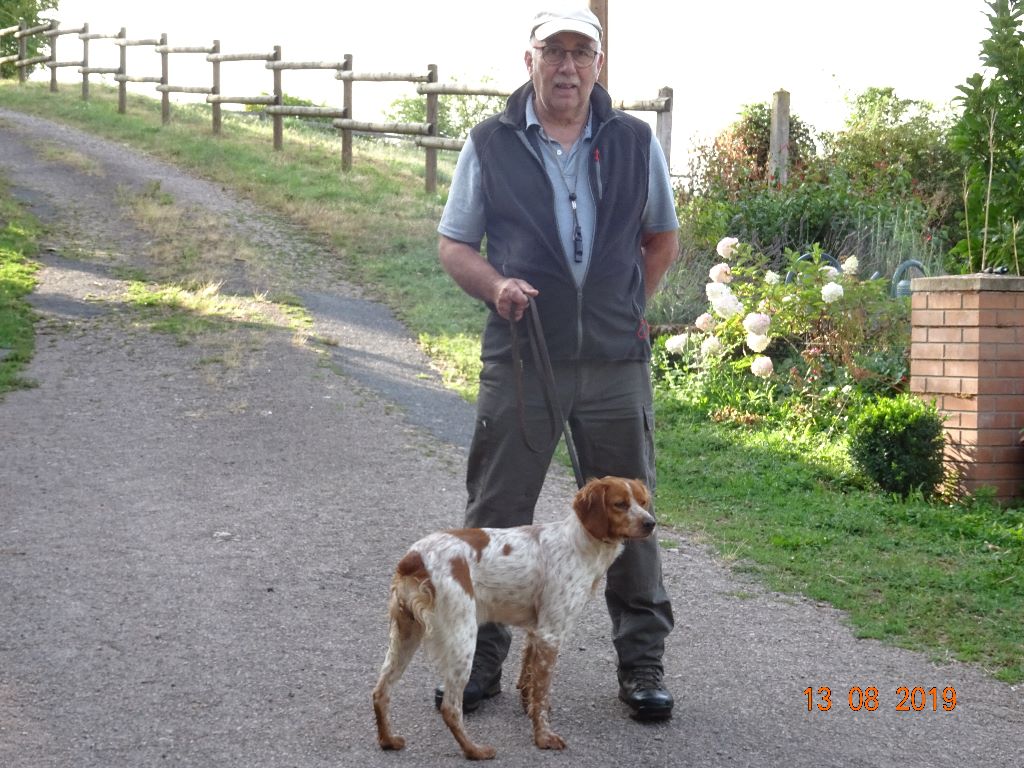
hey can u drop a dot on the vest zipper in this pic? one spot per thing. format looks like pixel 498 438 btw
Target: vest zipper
pixel 579 319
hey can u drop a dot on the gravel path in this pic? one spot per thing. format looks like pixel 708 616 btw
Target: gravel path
pixel 196 542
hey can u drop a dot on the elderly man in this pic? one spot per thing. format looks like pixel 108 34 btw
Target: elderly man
pixel 574 200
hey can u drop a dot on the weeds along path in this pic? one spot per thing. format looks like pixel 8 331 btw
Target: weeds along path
pixel 202 500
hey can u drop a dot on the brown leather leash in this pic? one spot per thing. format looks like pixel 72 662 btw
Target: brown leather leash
pixel 541 359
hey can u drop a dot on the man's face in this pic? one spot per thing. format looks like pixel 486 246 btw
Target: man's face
pixel 563 87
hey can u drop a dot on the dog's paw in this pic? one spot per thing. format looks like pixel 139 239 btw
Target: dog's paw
pixel 549 740
pixel 392 743
pixel 479 752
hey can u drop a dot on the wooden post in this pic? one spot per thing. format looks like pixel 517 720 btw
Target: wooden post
pixel 22 51
pixel 165 80
pixel 53 56
pixel 778 152
pixel 85 62
pixel 432 118
pixel 278 101
pixel 216 89
pixel 663 125
pixel 346 133
pixel 122 70
pixel 600 9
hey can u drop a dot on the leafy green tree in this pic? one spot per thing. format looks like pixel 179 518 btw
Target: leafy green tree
pixel 13 11
pixel 737 159
pixel 456 114
pixel 989 138
pixel 883 188
pixel 895 146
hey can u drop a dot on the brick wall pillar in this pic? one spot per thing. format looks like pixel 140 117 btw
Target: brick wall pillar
pixel 967 354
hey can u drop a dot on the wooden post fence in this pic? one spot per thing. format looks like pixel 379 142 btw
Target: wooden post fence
pixel 346 136
pixel 427 133
pixel 53 33
pixel 347 125
pixel 87 70
pixel 165 87
pixel 778 151
pixel 124 78
pixel 10 59
pixel 279 110
pixel 217 98
pixel 432 117
pixel 23 62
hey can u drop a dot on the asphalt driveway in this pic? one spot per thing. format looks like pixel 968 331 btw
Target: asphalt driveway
pixel 196 547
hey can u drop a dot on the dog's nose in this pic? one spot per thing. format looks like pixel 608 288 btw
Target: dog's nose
pixel 649 525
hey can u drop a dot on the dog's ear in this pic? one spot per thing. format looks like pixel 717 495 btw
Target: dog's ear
pixel 590 505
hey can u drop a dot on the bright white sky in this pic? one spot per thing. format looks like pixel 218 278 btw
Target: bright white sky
pixel 717 56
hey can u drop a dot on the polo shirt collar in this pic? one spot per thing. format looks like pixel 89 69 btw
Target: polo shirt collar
pixel 532 120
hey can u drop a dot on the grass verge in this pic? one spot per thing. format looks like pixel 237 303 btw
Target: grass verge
pixel 18 233
pixel 945 580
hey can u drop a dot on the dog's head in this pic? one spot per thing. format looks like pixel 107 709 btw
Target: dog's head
pixel 614 509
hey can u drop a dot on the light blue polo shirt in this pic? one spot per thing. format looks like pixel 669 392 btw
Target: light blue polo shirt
pixel 463 217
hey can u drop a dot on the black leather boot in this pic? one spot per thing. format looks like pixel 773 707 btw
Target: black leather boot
pixel 643 689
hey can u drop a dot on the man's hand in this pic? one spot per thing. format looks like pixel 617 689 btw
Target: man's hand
pixel 510 296
pixel 513 298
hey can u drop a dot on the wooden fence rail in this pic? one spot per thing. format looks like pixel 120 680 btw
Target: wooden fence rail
pixel 274 106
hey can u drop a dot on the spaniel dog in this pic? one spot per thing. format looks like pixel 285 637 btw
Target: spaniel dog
pixel 537 577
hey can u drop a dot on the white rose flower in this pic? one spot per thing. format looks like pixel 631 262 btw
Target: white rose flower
pixel 711 346
pixel 762 367
pixel 676 344
pixel 851 265
pixel 726 246
pixel 716 291
pixel 772 278
pixel 721 273
pixel 758 342
pixel 830 271
pixel 705 322
pixel 727 306
pixel 831 292
pixel 757 323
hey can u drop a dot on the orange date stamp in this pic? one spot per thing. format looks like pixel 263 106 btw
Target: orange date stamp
pixel 907 699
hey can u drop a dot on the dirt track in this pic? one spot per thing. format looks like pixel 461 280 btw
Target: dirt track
pixel 195 547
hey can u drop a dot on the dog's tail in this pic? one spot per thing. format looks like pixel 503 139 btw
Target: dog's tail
pixel 412 592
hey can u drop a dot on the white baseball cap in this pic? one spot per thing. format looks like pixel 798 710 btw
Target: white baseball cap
pixel 581 20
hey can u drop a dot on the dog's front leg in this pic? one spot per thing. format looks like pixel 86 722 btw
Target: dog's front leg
pixel 525 684
pixel 541 656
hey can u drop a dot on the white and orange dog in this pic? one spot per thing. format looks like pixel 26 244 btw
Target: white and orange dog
pixel 538 577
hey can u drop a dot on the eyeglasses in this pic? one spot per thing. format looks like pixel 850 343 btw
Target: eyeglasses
pixel 555 54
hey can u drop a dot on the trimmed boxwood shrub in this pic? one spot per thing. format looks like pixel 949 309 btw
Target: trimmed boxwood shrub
pixel 898 443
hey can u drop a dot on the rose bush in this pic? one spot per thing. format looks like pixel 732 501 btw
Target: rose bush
pixel 804 348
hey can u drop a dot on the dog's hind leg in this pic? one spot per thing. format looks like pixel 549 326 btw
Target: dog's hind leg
pixel 404 638
pixel 452 651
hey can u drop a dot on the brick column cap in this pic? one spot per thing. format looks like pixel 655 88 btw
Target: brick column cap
pixel 966 283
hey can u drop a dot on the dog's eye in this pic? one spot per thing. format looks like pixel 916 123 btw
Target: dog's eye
pixel 622 504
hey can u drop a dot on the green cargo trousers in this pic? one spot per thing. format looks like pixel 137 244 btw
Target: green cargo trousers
pixel 609 409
